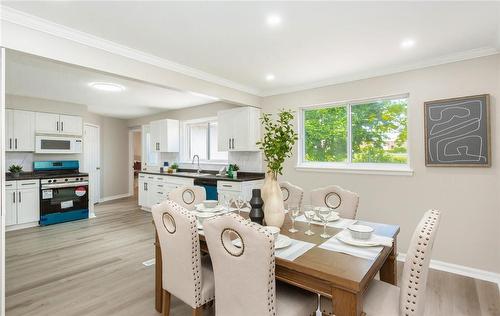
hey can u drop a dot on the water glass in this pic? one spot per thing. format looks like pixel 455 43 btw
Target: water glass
pixel 309 215
pixel 239 203
pixel 324 214
pixel 293 212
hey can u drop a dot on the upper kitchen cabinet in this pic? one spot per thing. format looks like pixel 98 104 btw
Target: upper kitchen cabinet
pixel 238 129
pixel 51 123
pixel 19 130
pixel 164 135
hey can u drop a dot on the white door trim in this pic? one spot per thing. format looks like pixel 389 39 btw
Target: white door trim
pixel 91 205
pixel 131 144
pixel 2 181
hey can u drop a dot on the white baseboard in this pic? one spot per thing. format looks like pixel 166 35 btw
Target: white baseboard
pixel 461 270
pixel 115 197
pixel 21 226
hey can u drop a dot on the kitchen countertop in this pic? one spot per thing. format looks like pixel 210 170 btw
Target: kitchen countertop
pixel 211 175
pixel 30 175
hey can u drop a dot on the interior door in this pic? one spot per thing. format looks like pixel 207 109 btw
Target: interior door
pixel 92 161
pixel 71 125
pixel 24 133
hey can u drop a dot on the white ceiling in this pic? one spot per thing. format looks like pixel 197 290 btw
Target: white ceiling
pixel 316 41
pixel 32 76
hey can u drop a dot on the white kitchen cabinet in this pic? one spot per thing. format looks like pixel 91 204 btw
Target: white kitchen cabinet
pixel 10 203
pixel 19 130
pixel 238 189
pixel 53 123
pixel 71 125
pixel 154 188
pixel 238 129
pixel 22 204
pixel 164 135
pixel 47 123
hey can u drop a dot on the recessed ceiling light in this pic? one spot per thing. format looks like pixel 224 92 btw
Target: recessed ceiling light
pixel 273 20
pixel 407 43
pixel 107 86
pixel 270 77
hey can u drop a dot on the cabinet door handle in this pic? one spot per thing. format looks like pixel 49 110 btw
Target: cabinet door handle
pixel 29 183
pixel 15 142
pixel 57 125
pixel 10 143
pixel 145 186
pixel 233 143
pixel 19 196
pixel 229 143
pixel 14 197
pixel 62 126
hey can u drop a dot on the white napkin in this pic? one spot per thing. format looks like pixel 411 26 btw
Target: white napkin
pixel 333 244
pixel 341 223
pixel 295 250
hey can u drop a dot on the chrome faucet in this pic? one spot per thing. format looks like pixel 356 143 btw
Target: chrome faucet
pixel 198 157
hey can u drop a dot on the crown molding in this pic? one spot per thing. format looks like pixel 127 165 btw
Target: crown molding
pixel 38 24
pixel 446 59
pixel 33 22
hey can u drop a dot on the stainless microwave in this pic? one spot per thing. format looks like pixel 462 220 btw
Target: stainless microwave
pixel 58 144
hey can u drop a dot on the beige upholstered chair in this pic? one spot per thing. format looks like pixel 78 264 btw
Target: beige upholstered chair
pixel 186 274
pixel 343 201
pixel 292 194
pixel 384 299
pixel 188 196
pixel 244 275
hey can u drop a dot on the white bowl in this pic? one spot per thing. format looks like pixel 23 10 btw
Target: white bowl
pixel 360 231
pixel 275 231
pixel 202 216
pixel 210 203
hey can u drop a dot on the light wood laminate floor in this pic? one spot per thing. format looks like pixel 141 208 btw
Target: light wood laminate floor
pixel 94 267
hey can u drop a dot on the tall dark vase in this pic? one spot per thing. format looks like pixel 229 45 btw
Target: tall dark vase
pixel 256 202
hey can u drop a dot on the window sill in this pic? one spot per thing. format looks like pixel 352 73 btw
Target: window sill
pixel 375 169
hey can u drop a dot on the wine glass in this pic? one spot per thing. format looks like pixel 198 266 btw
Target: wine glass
pixel 324 214
pixel 239 203
pixel 309 215
pixel 293 212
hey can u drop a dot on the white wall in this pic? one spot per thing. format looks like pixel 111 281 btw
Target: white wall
pixel 114 142
pixel 468 197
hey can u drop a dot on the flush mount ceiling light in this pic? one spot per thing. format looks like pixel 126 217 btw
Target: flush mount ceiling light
pixel 407 43
pixel 273 20
pixel 107 86
pixel 270 77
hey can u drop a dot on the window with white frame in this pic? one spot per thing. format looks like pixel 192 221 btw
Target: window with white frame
pixel 362 134
pixel 200 138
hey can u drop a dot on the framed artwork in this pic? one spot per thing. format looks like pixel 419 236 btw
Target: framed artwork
pixel 457 132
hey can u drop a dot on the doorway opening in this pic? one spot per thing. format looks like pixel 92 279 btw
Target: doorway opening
pixel 92 163
pixel 135 159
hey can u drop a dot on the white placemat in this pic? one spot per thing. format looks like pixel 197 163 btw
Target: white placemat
pixel 295 250
pixel 341 223
pixel 333 244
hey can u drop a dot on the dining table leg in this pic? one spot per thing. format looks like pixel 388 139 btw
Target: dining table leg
pixel 158 276
pixel 389 270
pixel 346 303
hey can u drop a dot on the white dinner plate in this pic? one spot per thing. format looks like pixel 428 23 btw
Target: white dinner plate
pixel 333 217
pixel 282 242
pixel 346 237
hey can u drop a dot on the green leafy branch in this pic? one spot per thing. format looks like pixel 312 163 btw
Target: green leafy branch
pixel 279 138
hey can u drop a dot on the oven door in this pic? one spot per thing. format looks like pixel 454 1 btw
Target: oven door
pixel 62 204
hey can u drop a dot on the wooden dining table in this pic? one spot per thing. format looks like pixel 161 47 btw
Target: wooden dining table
pixel 341 277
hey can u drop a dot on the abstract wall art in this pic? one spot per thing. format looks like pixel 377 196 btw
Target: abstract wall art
pixel 457 132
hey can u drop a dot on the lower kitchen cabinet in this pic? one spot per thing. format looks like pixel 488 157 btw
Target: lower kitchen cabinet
pixel 238 189
pixel 22 204
pixel 154 189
